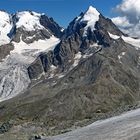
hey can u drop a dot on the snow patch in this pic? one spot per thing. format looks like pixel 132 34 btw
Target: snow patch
pixel 113 36
pixel 132 41
pixel 77 59
pixel 52 71
pixel 121 55
pixel 61 75
pixel 52 68
pixel 30 37
pixel 87 55
pixel 62 29
pixel 95 45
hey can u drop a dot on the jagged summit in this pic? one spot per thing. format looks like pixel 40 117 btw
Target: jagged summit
pixel 92 10
pixel 85 21
pixel 92 24
pixel 91 16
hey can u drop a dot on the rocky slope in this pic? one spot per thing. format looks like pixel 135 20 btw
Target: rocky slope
pixel 92 71
pixel 123 127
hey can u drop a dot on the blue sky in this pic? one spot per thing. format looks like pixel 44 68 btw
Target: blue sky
pixel 63 11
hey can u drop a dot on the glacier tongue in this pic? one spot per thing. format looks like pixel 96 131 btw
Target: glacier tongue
pixel 13 77
pixel 13 70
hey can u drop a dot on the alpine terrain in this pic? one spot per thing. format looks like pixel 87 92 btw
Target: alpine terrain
pixel 54 80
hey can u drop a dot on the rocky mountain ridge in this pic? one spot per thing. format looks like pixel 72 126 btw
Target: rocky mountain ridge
pixel 31 25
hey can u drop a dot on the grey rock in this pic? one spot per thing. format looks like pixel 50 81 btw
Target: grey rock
pixel 35 69
pixel 5 50
pixel 51 25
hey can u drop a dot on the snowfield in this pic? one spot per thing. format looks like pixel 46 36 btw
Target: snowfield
pixel 39 46
pixel 130 40
pixel 123 127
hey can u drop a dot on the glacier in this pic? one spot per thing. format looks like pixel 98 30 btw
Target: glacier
pixel 13 69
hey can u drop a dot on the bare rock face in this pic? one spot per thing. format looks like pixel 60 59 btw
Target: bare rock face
pixel 30 36
pixel 51 25
pixel 108 25
pixel 35 69
pixel 5 50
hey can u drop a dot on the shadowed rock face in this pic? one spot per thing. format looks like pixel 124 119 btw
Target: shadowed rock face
pixel 84 77
pixel 30 36
pixel 108 25
pixel 51 25
pixel 5 50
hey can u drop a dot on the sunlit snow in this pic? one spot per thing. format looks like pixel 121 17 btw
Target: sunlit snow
pixel 5 27
pixel 28 20
pixel 113 36
pixel 90 17
pixel 130 40
pixel 40 45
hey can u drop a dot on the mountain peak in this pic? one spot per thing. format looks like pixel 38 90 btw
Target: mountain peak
pixel 86 20
pixel 91 16
pixel 92 10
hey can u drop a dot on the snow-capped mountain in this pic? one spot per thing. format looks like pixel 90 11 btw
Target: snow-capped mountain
pixel 22 39
pixel 28 26
pixel 89 18
pixel 89 70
